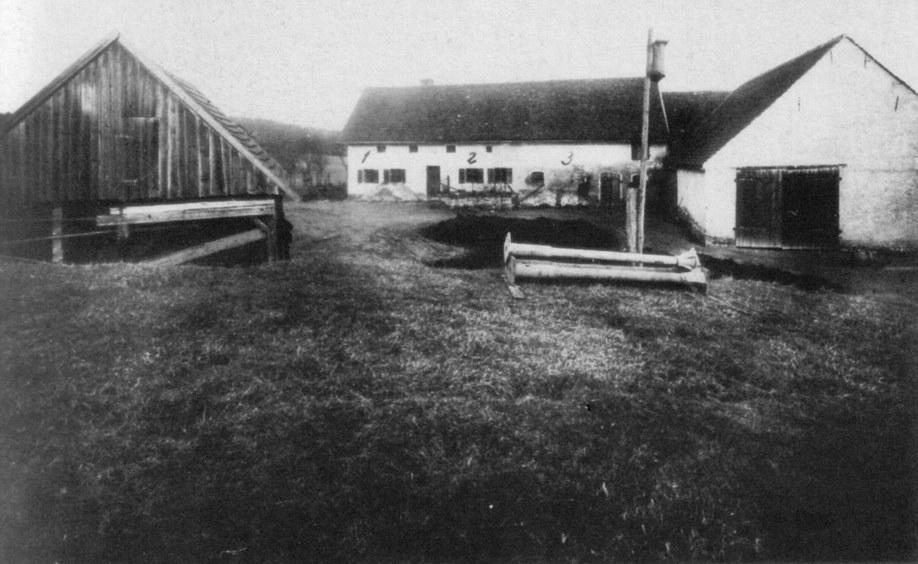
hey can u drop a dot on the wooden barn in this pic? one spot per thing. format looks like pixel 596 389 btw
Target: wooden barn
pixel 818 152
pixel 118 140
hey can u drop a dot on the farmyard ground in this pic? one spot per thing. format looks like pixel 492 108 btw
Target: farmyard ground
pixel 360 403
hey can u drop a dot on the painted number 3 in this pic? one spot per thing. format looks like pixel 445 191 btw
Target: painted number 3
pixel 569 159
pixel 473 158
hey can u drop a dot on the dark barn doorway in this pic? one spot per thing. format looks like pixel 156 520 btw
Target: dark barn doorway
pixel 787 208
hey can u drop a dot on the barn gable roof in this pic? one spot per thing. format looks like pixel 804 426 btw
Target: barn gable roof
pixel 748 102
pixel 604 110
pixel 743 105
pixel 232 132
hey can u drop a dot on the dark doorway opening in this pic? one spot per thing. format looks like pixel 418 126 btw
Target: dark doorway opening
pixel 433 181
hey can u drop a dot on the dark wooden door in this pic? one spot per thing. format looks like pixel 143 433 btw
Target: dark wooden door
pixel 809 213
pixel 433 180
pixel 758 208
pixel 610 188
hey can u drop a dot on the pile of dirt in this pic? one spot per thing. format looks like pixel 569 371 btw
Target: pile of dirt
pixel 391 193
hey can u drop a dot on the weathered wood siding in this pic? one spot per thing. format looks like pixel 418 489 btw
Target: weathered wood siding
pixel 115 132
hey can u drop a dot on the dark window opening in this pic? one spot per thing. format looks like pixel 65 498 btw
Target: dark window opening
pixel 450 148
pixel 412 148
pixel 471 176
pixel 536 178
pixel 500 176
pixel 380 148
pixel 488 148
pixel 368 176
pixel 394 176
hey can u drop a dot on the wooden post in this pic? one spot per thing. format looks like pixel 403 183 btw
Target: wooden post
pixel 631 215
pixel 272 239
pixel 645 134
pixel 57 230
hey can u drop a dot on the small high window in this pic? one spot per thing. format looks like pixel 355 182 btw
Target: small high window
pixel 380 148
pixel 488 148
pixel 412 148
pixel 394 176
pixel 368 176
pixel 500 176
pixel 471 176
pixel 450 148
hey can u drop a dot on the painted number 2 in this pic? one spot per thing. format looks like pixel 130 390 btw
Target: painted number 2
pixel 473 158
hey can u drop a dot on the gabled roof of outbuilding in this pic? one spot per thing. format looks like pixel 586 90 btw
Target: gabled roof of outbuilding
pixel 748 102
pixel 744 105
pixel 603 110
pixel 234 133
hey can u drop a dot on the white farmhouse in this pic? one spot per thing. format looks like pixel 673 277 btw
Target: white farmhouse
pixel 819 151
pixel 555 142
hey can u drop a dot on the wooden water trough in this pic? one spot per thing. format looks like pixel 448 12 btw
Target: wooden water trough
pixel 523 260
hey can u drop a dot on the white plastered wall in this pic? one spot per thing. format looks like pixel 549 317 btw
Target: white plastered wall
pixel 845 111
pixel 556 160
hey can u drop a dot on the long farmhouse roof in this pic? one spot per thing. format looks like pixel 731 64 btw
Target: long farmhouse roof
pixel 605 110
pixel 195 100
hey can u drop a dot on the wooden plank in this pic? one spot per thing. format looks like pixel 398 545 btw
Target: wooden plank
pixel 102 117
pixel 56 144
pixel 224 168
pixel 69 186
pixel 162 142
pixel 555 270
pixel 211 165
pixel 200 165
pixel 170 146
pixel 39 118
pixel 23 166
pixel 516 292
pixel 209 248
pixel 189 211
pixel 57 229
pixel 118 145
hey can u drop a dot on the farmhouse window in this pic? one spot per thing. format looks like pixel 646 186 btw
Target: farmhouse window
pixel 488 148
pixel 380 148
pixel 412 148
pixel 450 148
pixel 394 176
pixel 536 178
pixel 471 176
pixel 368 176
pixel 500 176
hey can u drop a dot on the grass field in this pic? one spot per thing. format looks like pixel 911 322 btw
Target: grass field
pixel 361 404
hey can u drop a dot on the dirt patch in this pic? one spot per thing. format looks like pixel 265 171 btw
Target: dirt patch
pixel 484 236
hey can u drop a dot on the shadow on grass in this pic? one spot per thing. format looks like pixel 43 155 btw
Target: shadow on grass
pixel 718 268
pixel 483 237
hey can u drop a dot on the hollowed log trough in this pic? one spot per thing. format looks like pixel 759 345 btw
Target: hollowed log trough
pixel 523 260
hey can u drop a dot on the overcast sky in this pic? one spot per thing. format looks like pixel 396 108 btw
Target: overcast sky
pixel 305 62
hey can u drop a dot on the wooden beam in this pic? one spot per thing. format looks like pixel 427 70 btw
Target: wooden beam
pixel 686 261
pixel 209 248
pixel 191 211
pixel 554 270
